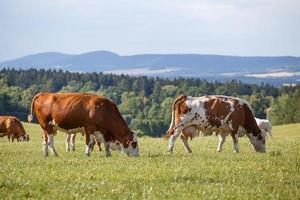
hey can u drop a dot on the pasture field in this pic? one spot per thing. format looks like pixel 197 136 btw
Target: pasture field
pixel 204 174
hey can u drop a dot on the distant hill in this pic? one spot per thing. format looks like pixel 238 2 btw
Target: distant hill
pixel 166 65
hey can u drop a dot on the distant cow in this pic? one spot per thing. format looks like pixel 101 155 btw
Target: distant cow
pixel 12 128
pixel 222 114
pixel 86 113
pixel 265 124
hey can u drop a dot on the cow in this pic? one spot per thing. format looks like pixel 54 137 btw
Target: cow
pixel 222 114
pixel 265 125
pixel 11 127
pixel 92 115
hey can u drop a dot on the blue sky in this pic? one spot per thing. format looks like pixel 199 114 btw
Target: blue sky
pixel 247 28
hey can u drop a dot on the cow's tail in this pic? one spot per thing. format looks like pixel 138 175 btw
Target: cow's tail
pixel 30 116
pixel 178 100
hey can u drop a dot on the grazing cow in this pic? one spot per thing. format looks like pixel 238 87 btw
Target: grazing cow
pixel 265 125
pixel 12 128
pixel 214 113
pixel 86 113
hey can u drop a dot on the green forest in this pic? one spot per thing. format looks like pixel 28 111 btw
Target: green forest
pixel 144 102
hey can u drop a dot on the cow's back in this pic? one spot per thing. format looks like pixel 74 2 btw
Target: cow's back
pixel 68 110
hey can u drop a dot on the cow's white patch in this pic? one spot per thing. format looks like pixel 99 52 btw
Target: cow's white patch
pixel 45 148
pixel 67 141
pixel 222 138
pixel 197 110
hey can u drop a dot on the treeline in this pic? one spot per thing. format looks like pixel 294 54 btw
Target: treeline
pixel 144 102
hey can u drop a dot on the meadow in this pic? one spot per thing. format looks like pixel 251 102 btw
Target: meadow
pixel 204 174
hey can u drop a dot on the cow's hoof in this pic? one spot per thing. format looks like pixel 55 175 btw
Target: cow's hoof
pixel 219 150
pixel 87 154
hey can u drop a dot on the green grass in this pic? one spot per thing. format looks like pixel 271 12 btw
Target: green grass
pixel 204 174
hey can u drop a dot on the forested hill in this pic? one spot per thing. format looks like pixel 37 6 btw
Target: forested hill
pixel 168 65
pixel 144 102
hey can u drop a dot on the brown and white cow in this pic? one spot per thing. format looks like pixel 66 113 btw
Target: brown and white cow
pixel 221 114
pixel 86 113
pixel 12 128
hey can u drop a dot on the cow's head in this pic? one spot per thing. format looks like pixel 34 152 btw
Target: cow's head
pixel 258 142
pixel 22 137
pixel 131 147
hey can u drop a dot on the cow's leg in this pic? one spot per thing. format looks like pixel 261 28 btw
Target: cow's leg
pixel 51 144
pixel 99 146
pixel 173 138
pixel 72 141
pixel 186 144
pixel 67 141
pixel 8 137
pixel 98 143
pixel 235 146
pixel 107 151
pixel 93 143
pixel 45 144
pixel 222 138
pixel 89 141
